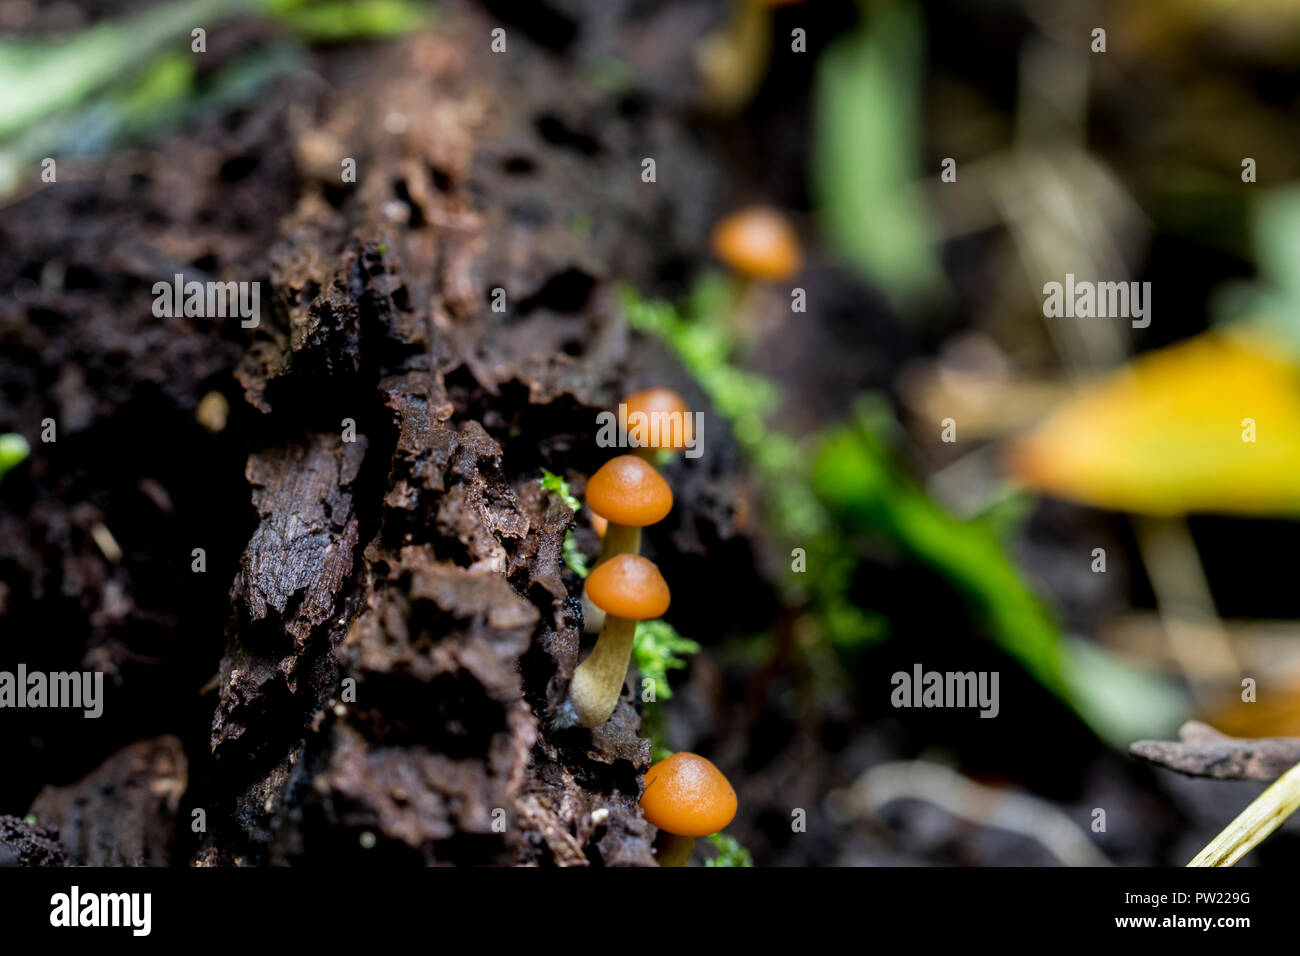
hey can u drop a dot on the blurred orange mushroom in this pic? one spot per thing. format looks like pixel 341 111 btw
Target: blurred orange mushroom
pixel 670 428
pixel 759 243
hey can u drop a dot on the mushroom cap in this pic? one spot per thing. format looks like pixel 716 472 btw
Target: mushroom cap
pixel 627 585
pixel 758 242
pixel 664 401
pixel 687 795
pixel 627 490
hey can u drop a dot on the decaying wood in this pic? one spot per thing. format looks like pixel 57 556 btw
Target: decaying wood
pixel 124 813
pixel 415 576
pixel 1202 751
pixel 401 619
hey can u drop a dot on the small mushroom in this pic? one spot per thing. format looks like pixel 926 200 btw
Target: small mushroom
pixel 759 243
pixel 663 434
pixel 733 59
pixel 686 797
pixel 629 494
pixel 629 589
pixel 761 247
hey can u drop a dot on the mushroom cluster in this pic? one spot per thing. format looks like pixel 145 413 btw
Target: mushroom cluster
pixel 625 495
pixel 685 795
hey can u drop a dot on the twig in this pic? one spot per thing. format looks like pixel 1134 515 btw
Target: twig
pixel 1202 751
pixel 1264 815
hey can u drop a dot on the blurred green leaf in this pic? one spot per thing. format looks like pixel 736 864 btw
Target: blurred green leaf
pixel 1272 301
pixel 1118 700
pixel 40 78
pixel 855 476
pixel 866 151
pixel 13 451
pixel 335 21
pixel 1275 229
pixel 119 79
pixel 167 83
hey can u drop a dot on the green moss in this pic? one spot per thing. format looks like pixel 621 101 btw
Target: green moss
pixel 792 512
pixel 573 556
pixel 558 485
pixel 730 852
pixel 658 649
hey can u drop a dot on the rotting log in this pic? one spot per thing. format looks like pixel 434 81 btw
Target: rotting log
pixel 400 620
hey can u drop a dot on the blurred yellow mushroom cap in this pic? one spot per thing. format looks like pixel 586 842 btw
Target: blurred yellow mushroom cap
pixel 1211 424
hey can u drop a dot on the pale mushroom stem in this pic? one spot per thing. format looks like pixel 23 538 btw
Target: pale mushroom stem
pixel 598 681
pixel 674 850
pixel 619 539
pixel 739 319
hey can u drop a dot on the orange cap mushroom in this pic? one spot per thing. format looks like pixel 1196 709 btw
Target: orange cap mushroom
pixel 628 588
pixel 687 795
pixel 664 403
pixel 627 585
pixel 758 242
pixel 628 491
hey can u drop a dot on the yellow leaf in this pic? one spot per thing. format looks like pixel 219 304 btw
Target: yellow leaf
pixel 1172 433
